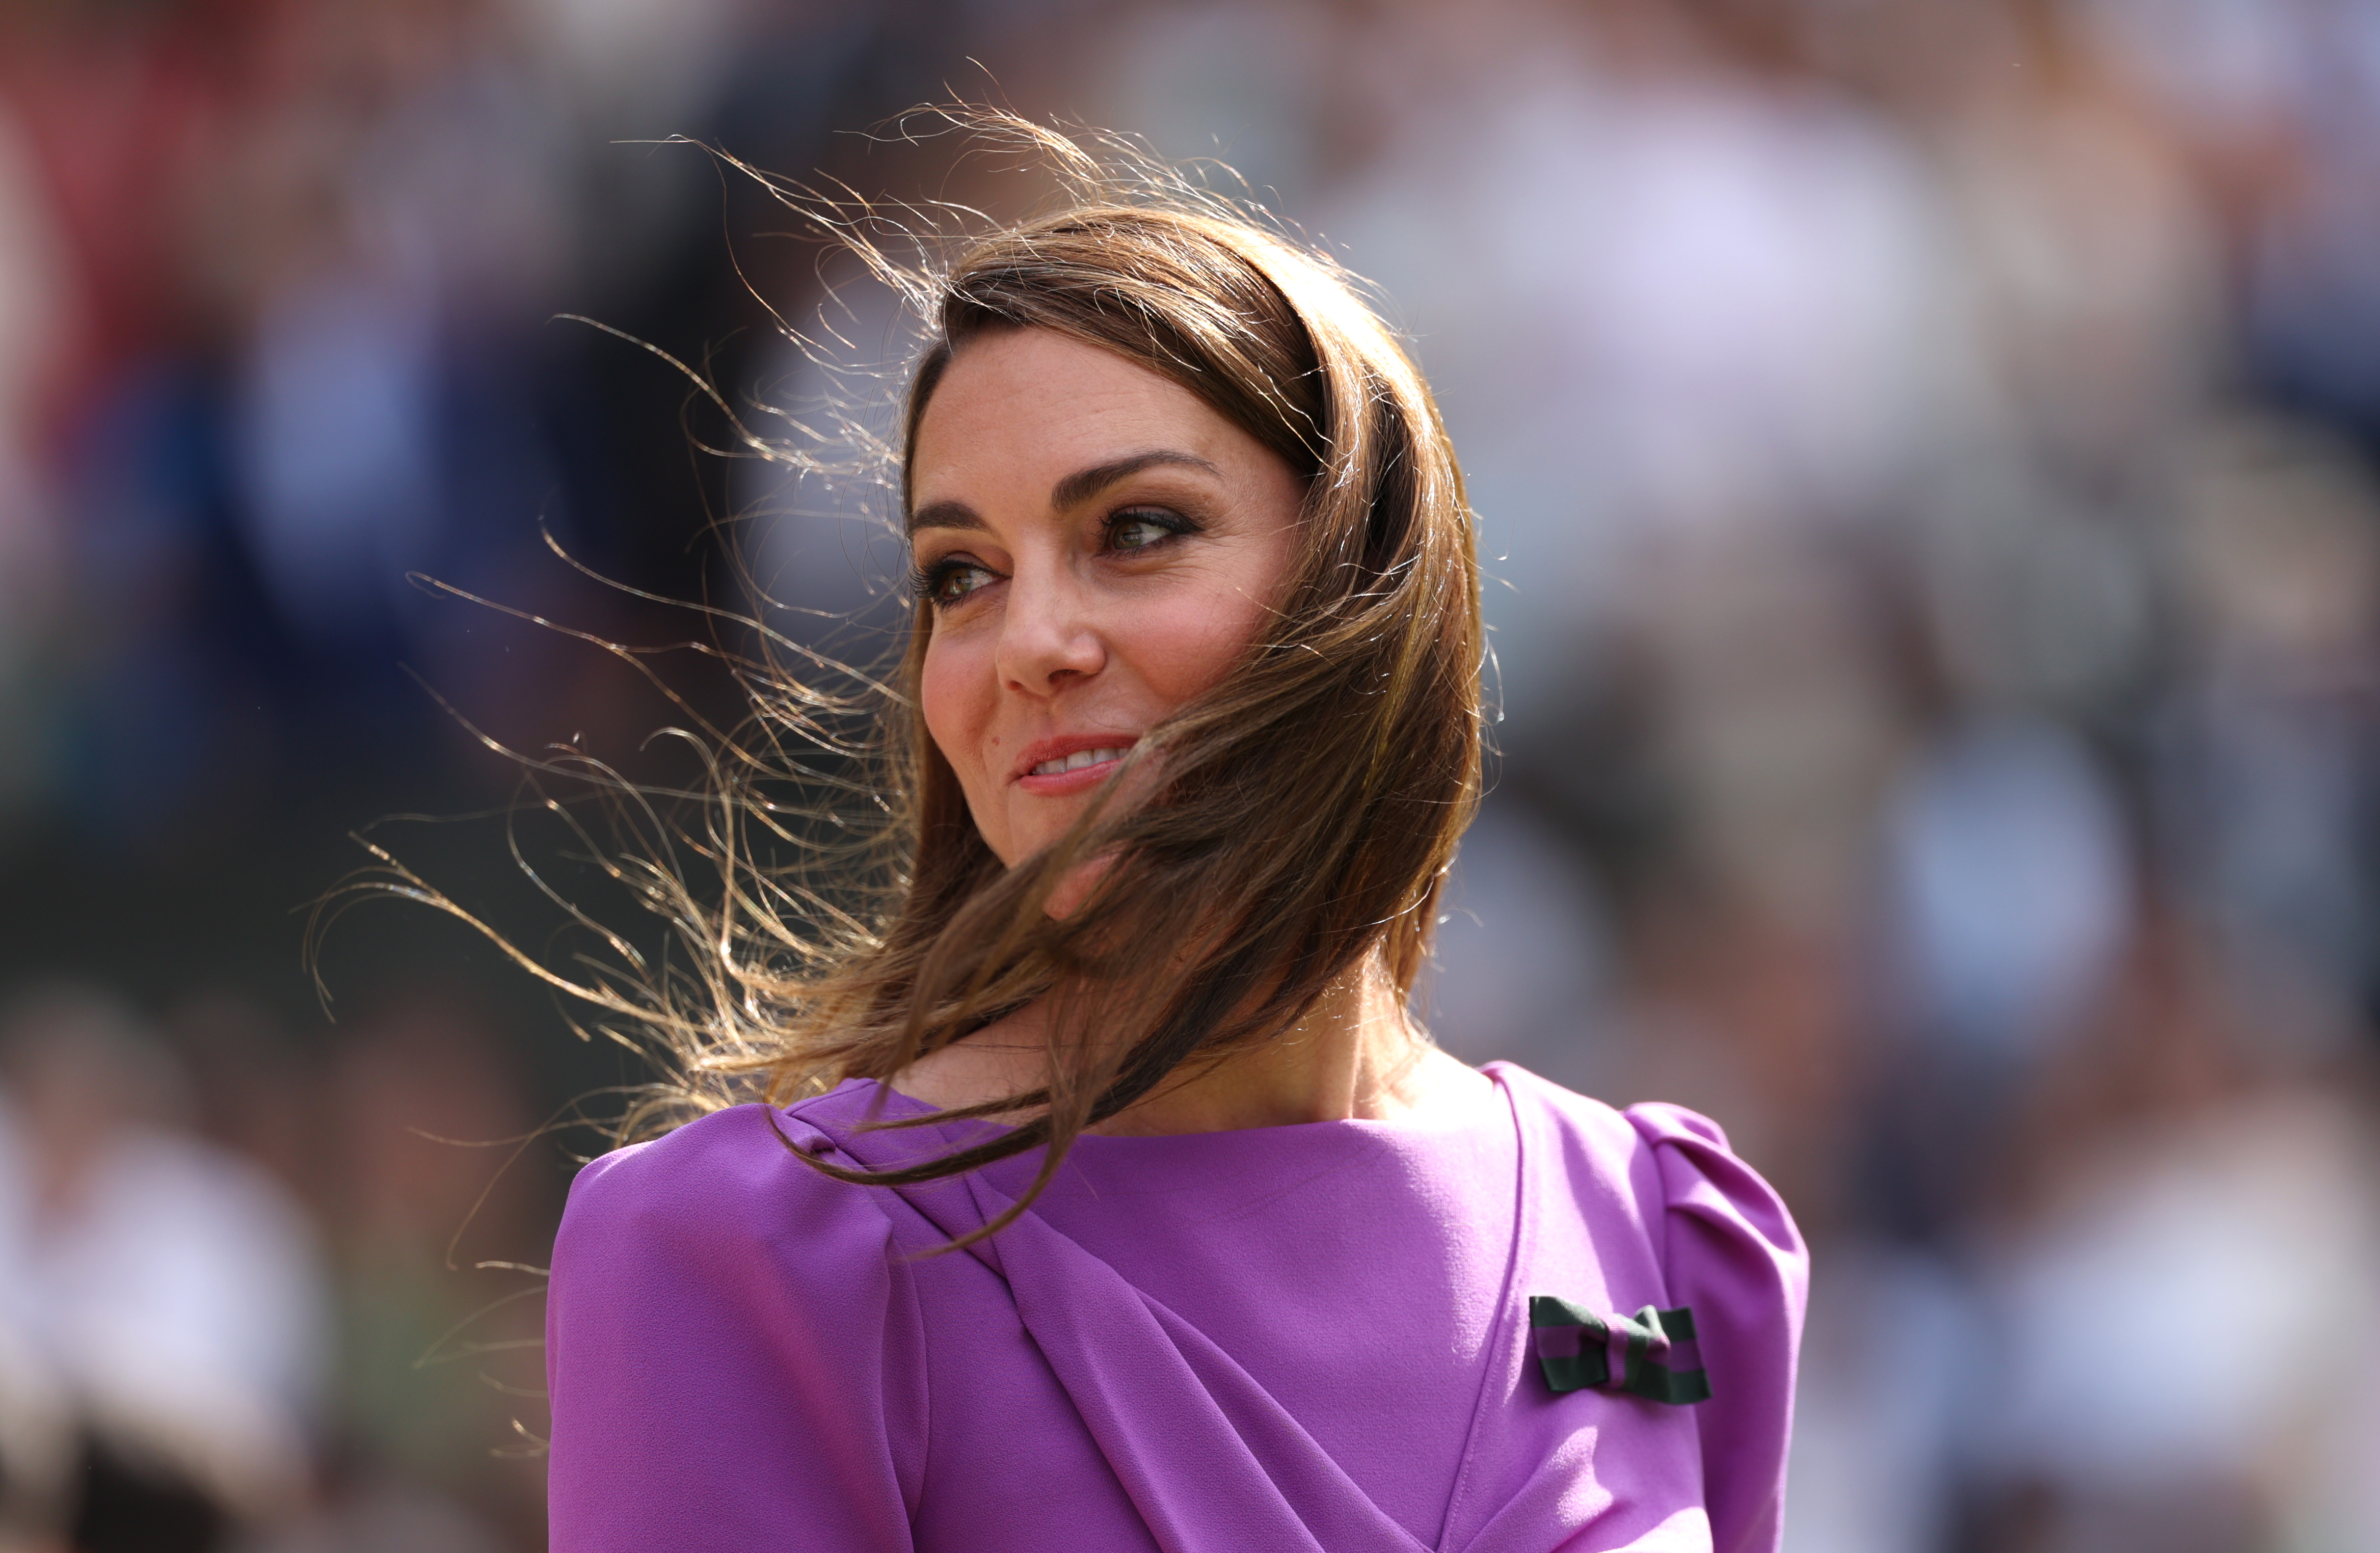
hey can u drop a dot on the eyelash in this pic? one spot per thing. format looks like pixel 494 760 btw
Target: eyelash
pixel 1172 523
pixel 925 582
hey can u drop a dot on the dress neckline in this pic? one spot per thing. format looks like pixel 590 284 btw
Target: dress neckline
pixel 1487 1108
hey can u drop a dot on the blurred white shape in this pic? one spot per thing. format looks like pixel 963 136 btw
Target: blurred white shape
pixel 1522 953
pixel 182 1307
pixel 1745 278
pixel 337 448
pixel 170 1291
pixel 2201 1305
pixel 1889 1359
pixel 2011 877
pixel 1646 305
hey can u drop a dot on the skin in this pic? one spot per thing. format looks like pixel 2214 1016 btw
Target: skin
pixel 1098 546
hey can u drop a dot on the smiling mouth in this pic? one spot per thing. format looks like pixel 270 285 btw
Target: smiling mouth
pixel 1077 761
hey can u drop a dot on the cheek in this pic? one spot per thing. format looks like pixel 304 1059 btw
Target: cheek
pixel 1185 646
pixel 953 696
pixel 1188 642
pixel 957 691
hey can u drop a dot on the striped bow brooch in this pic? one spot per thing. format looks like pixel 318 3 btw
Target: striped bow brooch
pixel 1654 1349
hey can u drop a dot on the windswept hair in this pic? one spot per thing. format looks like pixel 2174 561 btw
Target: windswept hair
pixel 1306 806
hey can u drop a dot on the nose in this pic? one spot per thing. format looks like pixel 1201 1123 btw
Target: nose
pixel 1048 640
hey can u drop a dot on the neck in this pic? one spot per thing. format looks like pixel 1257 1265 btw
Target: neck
pixel 1354 1056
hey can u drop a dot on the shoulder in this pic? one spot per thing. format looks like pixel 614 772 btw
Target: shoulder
pixel 725 1197
pixel 1703 1179
pixel 732 1342
pixel 1728 1251
pixel 1585 1124
pixel 712 1257
pixel 1685 1183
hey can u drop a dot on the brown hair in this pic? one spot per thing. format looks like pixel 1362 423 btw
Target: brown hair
pixel 1309 804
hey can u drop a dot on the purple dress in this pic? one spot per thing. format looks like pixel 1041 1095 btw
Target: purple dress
pixel 1284 1338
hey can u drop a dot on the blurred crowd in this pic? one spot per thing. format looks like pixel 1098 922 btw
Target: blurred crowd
pixel 1926 454
pixel 264 1292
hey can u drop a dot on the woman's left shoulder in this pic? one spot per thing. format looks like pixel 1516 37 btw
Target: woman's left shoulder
pixel 1727 1250
pixel 1674 1167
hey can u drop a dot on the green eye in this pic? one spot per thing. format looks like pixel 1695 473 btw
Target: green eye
pixel 1141 527
pixel 957 582
pixel 947 582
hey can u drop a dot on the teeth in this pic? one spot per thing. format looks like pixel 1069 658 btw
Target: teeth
pixel 1077 761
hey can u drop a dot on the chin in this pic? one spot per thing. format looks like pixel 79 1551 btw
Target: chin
pixel 1023 841
pixel 1029 845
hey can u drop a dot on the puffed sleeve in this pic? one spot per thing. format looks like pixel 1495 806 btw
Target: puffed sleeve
pixel 732 1352
pixel 1732 1254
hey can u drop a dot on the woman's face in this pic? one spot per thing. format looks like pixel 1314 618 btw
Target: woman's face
pixel 1096 546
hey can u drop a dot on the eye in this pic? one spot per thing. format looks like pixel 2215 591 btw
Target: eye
pixel 1144 528
pixel 950 580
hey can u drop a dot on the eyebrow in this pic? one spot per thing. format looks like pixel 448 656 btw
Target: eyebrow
pixel 1072 490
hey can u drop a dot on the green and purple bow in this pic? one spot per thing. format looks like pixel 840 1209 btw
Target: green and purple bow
pixel 1658 1357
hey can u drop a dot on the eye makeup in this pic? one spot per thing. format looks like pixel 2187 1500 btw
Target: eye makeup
pixel 935 582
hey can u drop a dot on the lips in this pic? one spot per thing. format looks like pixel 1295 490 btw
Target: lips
pixel 1070 763
pixel 1059 765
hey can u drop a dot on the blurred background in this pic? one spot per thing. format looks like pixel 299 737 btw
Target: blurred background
pixel 1926 453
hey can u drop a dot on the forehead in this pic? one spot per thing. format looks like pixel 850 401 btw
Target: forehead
pixel 1030 402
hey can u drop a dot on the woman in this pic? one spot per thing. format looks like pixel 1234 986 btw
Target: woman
pixel 1137 1212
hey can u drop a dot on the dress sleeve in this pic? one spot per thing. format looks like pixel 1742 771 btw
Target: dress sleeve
pixel 1733 1255
pixel 732 1354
